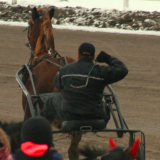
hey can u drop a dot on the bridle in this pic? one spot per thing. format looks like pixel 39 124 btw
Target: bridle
pixel 30 24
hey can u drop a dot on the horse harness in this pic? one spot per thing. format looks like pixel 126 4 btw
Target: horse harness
pixel 46 58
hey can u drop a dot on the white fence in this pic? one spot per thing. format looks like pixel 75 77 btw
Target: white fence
pixel 145 5
pixel 125 4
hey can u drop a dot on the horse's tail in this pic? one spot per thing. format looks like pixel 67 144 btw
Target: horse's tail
pixel 90 152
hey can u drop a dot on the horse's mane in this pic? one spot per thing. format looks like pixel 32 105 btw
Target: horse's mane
pixel 12 129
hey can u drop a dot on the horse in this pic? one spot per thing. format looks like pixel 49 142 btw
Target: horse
pixel 12 130
pixel 44 65
pixel 115 152
pixel 43 61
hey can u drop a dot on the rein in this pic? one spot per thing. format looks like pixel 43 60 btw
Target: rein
pixel 27 28
pixel 48 44
pixel 82 86
pixel 45 58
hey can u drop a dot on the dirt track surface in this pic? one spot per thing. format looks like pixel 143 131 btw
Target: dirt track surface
pixel 138 93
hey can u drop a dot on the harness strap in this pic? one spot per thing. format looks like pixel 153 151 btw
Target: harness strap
pixel 40 60
pixel 56 53
pixel 46 59
pixel 48 44
pixel 65 58
pixel 61 61
pixel 53 63
pixel 28 45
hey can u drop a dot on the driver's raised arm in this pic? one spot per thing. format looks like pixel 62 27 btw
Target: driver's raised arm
pixel 115 71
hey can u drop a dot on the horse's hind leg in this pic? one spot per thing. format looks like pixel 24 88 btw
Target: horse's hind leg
pixel 73 151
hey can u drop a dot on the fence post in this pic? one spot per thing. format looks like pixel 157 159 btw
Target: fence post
pixel 125 5
pixel 14 1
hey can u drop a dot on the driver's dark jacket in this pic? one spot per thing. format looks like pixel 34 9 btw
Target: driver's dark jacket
pixel 87 100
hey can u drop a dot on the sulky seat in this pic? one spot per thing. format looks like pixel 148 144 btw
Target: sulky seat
pixel 83 125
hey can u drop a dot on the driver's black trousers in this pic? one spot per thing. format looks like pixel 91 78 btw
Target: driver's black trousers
pixel 54 108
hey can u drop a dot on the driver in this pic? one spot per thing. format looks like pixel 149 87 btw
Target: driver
pixel 82 84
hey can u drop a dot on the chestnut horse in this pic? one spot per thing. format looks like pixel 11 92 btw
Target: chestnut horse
pixel 114 153
pixel 41 40
pixel 43 62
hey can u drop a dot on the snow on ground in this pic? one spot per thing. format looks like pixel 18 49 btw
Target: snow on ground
pixel 103 4
pixel 90 29
pixel 145 5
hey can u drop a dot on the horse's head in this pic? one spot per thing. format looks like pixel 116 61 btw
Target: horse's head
pixel 40 33
pixel 116 153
